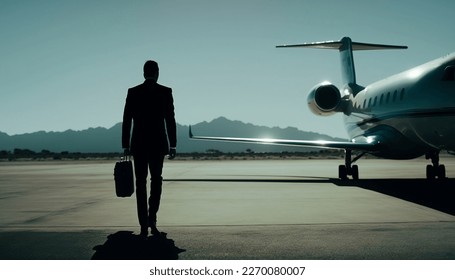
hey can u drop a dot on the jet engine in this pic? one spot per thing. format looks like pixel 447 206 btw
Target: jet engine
pixel 324 99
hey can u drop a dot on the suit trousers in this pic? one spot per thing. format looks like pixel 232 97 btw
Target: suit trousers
pixel 142 164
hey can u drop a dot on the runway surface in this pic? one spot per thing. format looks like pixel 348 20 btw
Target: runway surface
pixel 244 209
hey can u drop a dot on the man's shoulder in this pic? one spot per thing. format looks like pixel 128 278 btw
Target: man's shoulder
pixel 164 88
pixel 135 88
pixel 143 86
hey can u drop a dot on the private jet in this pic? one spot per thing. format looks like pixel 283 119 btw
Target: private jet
pixel 404 116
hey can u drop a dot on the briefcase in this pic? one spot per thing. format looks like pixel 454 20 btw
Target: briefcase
pixel 124 179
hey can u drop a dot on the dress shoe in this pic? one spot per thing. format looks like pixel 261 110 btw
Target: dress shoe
pixel 154 230
pixel 144 231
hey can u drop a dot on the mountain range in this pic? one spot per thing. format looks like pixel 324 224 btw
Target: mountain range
pixel 103 140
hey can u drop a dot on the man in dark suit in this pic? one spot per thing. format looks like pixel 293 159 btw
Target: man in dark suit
pixel 149 108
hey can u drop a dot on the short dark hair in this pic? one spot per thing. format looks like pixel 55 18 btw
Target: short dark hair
pixel 150 68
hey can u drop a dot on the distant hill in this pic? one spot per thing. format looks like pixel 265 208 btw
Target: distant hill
pixel 103 140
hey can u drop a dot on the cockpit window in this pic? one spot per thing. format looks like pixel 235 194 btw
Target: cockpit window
pixel 449 73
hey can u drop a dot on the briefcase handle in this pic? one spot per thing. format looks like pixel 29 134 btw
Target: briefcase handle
pixel 125 158
pixel 126 155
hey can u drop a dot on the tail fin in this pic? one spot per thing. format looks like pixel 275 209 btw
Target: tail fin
pixel 345 46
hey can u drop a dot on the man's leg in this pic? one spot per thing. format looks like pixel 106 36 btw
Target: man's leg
pixel 156 169
pixel 140 170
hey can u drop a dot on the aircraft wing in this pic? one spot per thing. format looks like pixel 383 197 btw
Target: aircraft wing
pixel 366 144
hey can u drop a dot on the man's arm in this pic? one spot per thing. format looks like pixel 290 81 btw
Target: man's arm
pixel 126 125
pixel 171 126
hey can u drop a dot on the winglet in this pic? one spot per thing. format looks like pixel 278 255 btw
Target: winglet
pixel 190 133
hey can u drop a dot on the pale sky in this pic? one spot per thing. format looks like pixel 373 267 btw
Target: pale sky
pixel 68 64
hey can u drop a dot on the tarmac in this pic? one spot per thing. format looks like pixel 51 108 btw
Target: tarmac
pixel 231 210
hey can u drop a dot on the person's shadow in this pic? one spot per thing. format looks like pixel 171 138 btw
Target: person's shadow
pixel 124 245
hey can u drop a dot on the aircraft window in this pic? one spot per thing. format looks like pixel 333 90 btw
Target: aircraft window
pixel 381 99
pixel 364 103
pixel 387 97
pixel 394 96
pixel 369 102
pixel 375 101
pixel 449 73
pixel 402 94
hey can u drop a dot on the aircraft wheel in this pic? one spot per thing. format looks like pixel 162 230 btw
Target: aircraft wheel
pixel 430 172
pixel 441 171
pixel 342 172
pixel 355 172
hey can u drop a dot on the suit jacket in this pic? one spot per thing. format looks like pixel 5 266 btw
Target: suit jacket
pixel 149 108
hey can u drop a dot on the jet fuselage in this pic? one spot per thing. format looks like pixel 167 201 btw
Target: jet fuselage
pixel 410 114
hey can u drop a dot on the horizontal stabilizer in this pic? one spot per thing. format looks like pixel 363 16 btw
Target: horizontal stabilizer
pixel 345 46
pixel 337 45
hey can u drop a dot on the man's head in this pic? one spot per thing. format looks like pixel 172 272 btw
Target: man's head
pixel 151 70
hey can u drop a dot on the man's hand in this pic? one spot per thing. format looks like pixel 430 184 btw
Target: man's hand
pixel 172 152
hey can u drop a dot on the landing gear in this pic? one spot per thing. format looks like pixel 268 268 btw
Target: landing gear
pixel 348 169
pixel 435 170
